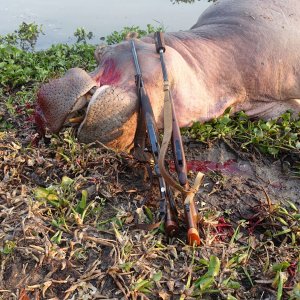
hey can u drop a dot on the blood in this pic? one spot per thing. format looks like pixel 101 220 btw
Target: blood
pixel 110 75
pixel 292 271
pixel 224 229
pixel 39 120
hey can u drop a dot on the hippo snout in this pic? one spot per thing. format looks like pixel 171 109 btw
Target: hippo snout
pixel 111 118
pixel 109 111
pixel 58 98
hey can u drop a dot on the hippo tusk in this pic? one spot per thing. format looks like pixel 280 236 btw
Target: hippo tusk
pixel 76 120
pixel 92 91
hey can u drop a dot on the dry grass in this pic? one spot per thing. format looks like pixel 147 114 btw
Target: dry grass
pixel 54 245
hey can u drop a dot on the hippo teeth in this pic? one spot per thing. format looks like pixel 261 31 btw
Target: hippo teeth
pixel 77 114
pixel 93 90
pixel 80 107
pixel 76 120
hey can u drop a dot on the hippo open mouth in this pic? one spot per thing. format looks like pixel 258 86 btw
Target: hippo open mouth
pixel 100 112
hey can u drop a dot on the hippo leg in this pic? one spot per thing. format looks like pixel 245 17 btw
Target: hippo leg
pixel 271 110
pixel 293 105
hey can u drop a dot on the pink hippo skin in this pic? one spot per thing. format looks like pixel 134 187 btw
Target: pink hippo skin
pixel 243 54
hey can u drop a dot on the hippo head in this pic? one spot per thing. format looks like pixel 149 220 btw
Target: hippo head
pixel 107 96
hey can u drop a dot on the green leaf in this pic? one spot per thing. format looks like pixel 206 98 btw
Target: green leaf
pixel 143 285
pixel 281 266
pixel 119 222
pixel 52 197
pixel 66 181
pixel 203 261
pixel 233 285
pixel 126 266
pixel 282 221
pixel 148 213
pixel 282 232
pixel 41 193
pixel 203 283
pixel 56 238
pixel 157 276
pixel 82 203
pixel 273 151
pixel 9 246
pixel 213 267
pixel 292 205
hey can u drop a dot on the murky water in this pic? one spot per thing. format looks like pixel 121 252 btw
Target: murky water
pixel 60 18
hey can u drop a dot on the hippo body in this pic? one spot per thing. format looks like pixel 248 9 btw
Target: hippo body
pixel 242 54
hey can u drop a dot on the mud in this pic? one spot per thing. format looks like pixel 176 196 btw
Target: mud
pixel 237 184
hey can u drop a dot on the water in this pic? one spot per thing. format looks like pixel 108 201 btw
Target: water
pixel 60 18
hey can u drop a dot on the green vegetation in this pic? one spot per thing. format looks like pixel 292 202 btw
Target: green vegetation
pixel 72 206
pixel 66 209
pixel 118 36
pixel 25 37
pixel 25 69
pixel 22 69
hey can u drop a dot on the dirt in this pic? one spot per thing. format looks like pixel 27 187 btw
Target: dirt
pixel 242 182
pixel 89 261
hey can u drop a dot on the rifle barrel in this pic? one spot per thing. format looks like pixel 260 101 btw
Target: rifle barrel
pixel 166 201
pixel 135 59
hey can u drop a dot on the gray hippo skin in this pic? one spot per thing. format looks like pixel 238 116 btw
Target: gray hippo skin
pixel 243 54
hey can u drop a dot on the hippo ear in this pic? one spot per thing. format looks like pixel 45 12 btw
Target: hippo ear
pixel 111 118
pixel 131 35
pixel 99 52
pixel 60 96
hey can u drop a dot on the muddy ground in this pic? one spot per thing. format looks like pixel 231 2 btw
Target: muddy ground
pixel 49 252
pixel 244 177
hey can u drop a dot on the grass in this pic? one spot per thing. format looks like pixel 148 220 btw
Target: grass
pixel 67 209
pixel 273 137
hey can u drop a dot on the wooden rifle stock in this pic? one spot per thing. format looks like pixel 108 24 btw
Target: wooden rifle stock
pixel 178 151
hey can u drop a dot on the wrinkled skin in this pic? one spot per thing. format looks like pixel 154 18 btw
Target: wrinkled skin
pixel 242 54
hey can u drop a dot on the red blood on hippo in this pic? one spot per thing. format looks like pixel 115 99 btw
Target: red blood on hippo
pixel 39 120
pixel 110 73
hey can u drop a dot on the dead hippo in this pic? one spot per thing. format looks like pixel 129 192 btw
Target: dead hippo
pixel 243 54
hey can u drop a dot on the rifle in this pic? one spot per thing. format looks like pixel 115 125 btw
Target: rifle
pixel 178 151
pixel 167 206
